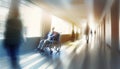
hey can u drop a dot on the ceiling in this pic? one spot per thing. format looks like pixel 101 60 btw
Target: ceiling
pixel 71 10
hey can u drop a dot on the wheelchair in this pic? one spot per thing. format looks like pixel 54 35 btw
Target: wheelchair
pixel 54 44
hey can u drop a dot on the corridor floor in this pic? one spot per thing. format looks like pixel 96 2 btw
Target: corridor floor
pixel 73 55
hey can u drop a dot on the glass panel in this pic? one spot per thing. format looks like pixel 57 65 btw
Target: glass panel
pixel 61 26
pixel 31 19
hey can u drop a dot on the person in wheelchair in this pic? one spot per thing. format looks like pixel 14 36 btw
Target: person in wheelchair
pixel 48 40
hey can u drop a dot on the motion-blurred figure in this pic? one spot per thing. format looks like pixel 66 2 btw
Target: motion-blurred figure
pixel 87 33
pixel 91 33
pixel 46 40
pixel 95 32
pixel 13 34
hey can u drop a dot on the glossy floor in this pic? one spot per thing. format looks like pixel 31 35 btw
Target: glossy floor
pixel 73 55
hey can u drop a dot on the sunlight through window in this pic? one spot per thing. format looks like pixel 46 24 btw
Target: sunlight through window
pixel 61 26
pixel 31 20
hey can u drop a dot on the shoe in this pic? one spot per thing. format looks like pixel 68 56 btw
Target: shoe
pixel 51 52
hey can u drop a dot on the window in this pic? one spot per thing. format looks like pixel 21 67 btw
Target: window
pixel 61 26
pixel 3 16
pixel 30 16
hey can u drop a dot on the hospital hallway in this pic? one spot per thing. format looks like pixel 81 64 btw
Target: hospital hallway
pixel 73 55
pixel 59 34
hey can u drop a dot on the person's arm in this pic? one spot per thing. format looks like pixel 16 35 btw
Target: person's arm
pixel 49 36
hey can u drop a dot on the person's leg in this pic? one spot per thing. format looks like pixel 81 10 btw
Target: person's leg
pixel 40 44
pixel 48 43
pixel 87 39
pixel 13 54
pixel 44 44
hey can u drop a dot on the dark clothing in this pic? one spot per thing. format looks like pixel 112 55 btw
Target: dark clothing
pixel 56 37
pixel 13 52
pixel 13 38
pixel 13 33
pixel 87 30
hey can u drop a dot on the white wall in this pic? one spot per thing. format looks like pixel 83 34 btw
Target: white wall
pixel 108 29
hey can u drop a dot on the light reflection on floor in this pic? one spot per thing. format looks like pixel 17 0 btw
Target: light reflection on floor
pixel 73 55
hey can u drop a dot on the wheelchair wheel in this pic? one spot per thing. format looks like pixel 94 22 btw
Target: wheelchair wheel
pixel 58 47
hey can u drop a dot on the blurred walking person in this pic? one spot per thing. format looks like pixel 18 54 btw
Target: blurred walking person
pixel 13 34
pixel 87 33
